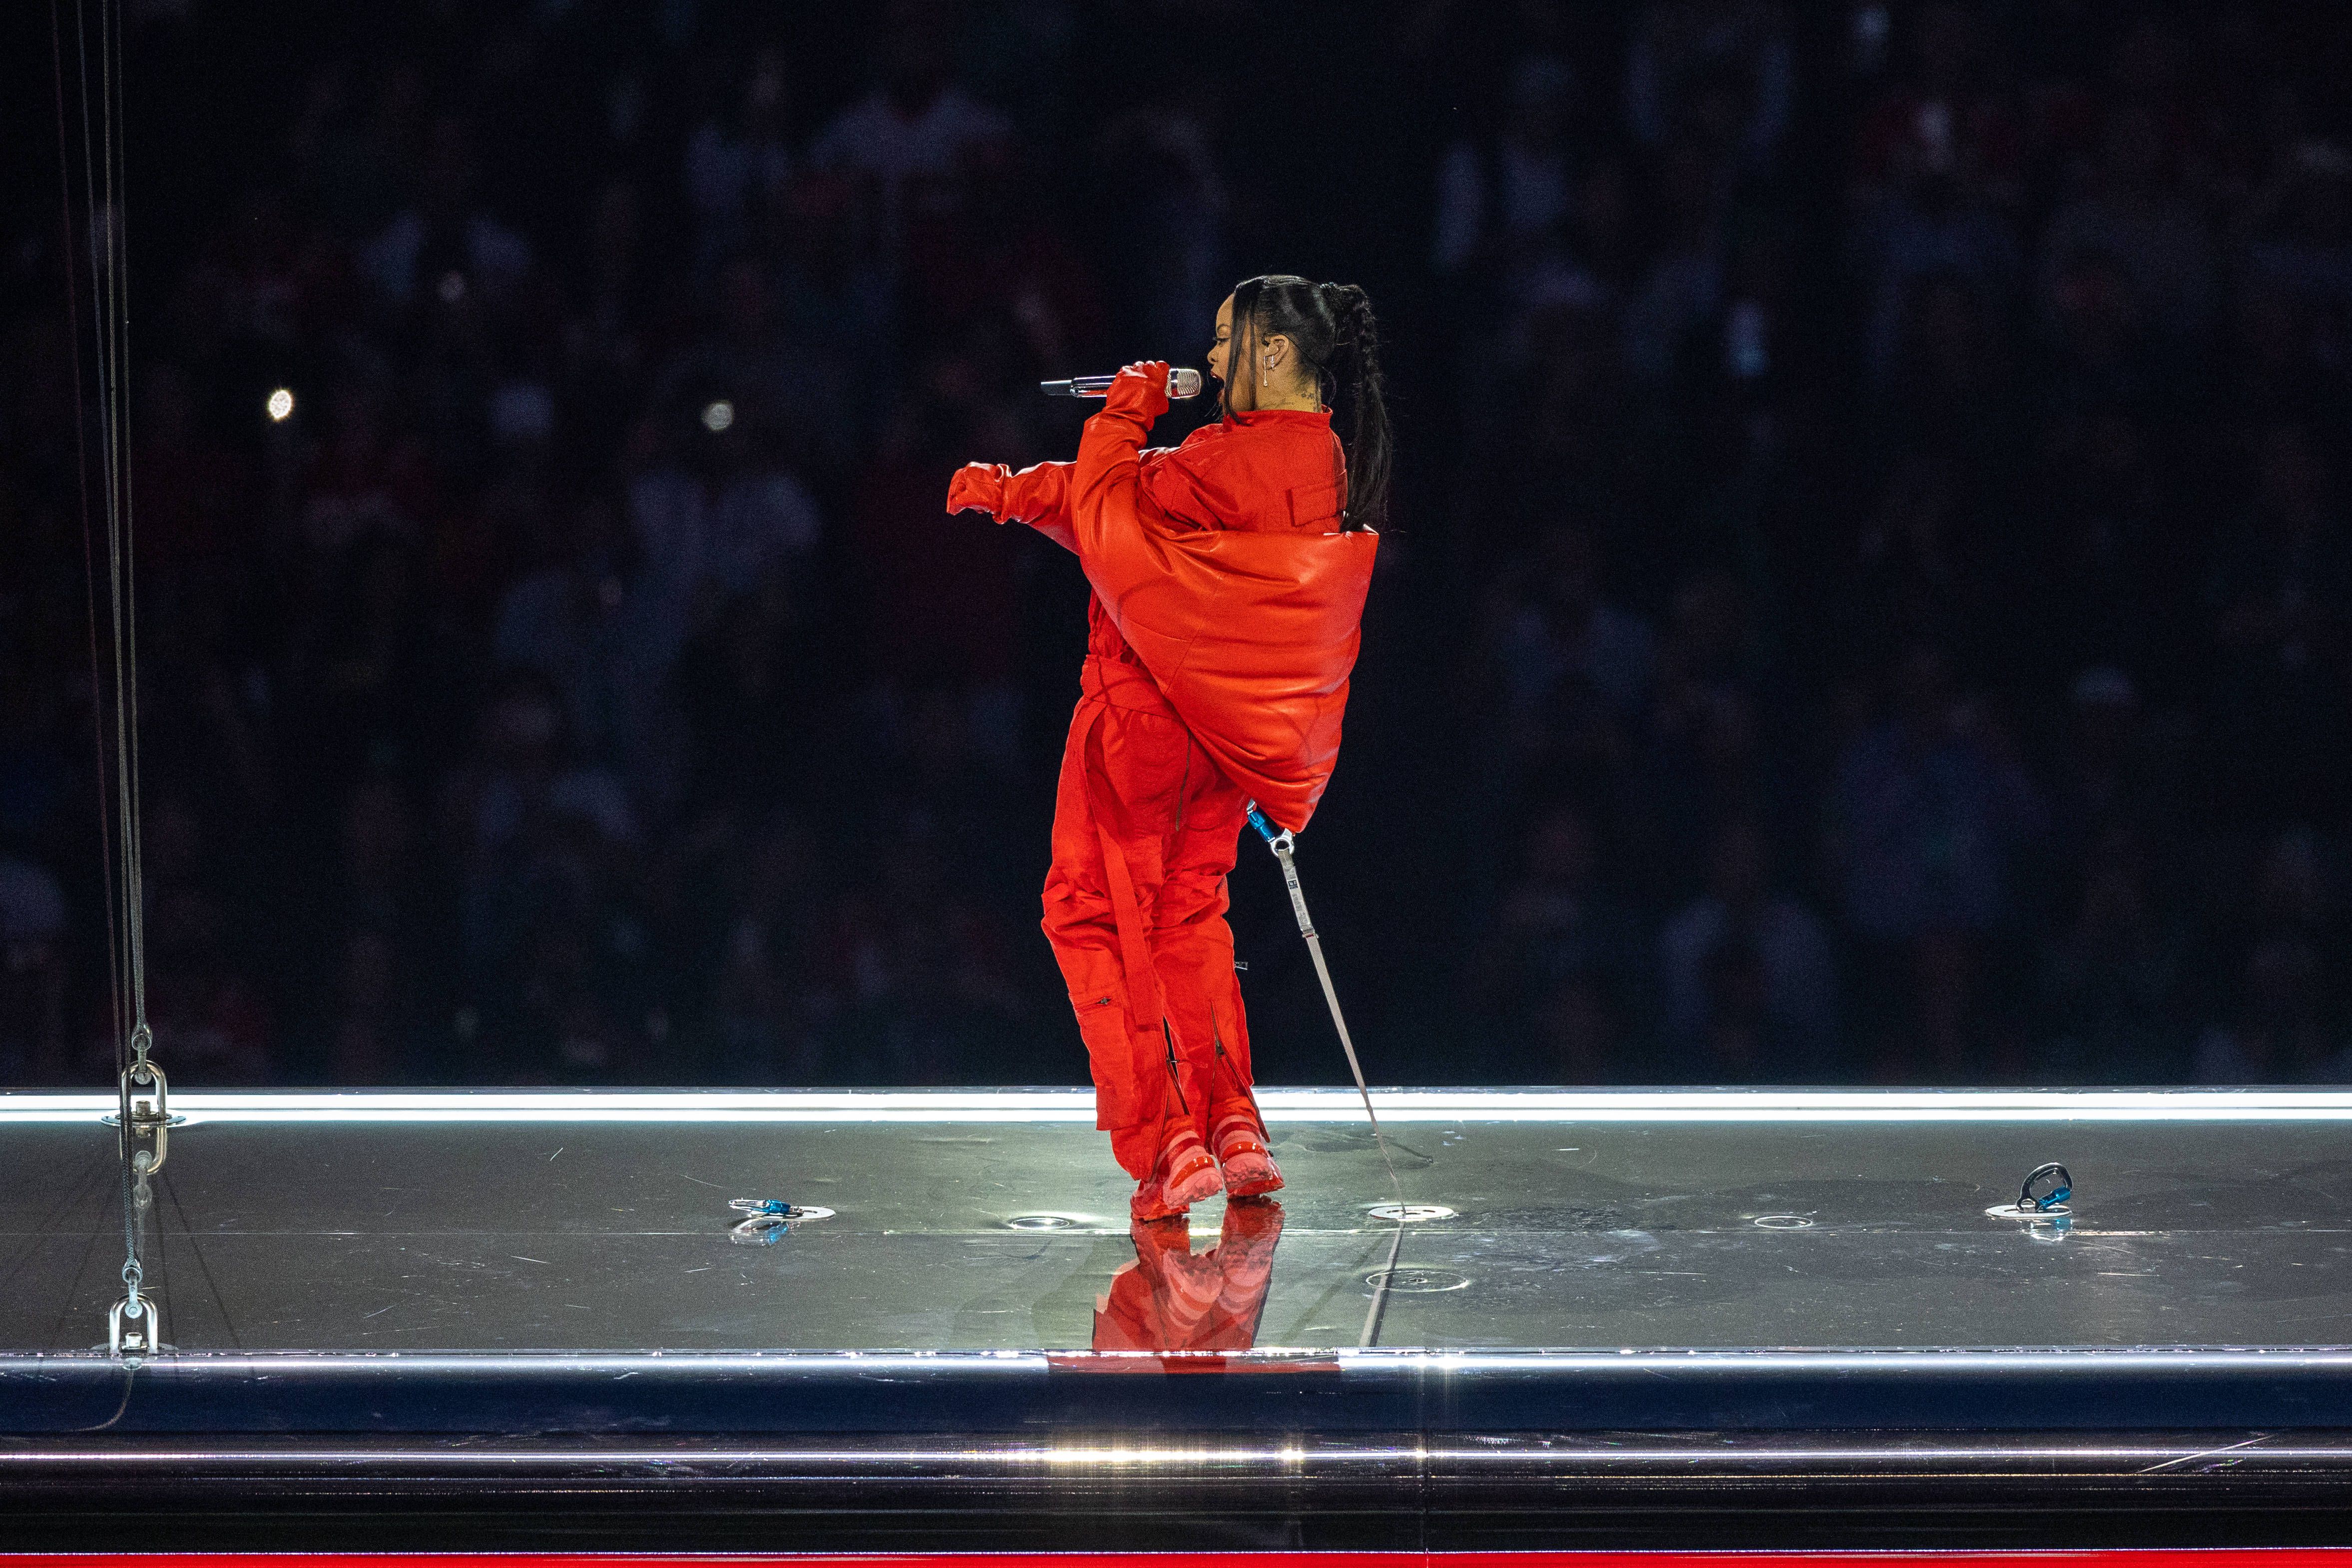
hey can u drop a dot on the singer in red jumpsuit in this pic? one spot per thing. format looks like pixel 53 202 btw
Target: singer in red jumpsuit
pixel 1228 587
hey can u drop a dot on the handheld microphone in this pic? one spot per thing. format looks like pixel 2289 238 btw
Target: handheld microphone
pixel 1182 382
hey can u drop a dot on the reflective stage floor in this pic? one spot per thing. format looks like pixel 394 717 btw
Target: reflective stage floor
pixel 467 1317
pixel 602 1222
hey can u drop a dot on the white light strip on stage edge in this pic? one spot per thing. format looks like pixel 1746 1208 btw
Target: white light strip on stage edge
pixel 1286 1105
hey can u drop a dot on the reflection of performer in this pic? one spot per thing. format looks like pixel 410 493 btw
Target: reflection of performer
pixel 1167 1299
pixel 1229 576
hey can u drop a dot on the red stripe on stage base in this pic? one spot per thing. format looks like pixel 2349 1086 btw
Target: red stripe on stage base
pixel 2203 1557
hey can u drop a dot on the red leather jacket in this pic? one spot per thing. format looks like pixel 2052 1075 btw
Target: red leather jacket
pixel 1221 568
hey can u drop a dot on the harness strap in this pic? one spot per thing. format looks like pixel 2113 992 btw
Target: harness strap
pixel 1280 841
pixel 1146 1005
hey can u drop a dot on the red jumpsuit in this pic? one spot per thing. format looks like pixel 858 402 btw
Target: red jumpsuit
pixel 1216 672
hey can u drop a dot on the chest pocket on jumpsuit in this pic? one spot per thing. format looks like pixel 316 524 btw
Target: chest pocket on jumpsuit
pixel 1316 507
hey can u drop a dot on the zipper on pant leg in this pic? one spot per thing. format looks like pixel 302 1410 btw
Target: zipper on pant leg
pixel 1234 1073
pixel 1174 1076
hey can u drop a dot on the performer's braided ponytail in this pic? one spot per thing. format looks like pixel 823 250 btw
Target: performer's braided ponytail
pixel 1357 343
pixel 1332 326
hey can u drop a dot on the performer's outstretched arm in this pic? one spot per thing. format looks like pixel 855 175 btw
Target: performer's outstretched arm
pixel 1038 495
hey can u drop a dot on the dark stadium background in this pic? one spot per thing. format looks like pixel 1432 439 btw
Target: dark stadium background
pixel 1867 602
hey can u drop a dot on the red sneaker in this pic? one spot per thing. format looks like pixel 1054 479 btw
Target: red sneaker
pixel 1186 1174
pixel 1248 1164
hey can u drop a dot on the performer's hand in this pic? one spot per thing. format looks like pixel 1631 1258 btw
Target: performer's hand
pixel 1141 388
pixel 977 487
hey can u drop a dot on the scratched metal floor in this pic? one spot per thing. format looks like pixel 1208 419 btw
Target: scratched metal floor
pixel 600 1222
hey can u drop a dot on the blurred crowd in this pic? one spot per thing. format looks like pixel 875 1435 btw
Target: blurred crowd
pixel 1869 598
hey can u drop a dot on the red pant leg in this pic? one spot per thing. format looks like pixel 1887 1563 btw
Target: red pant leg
pixel 1133 775
pixel 1192 946
pixel 1122 776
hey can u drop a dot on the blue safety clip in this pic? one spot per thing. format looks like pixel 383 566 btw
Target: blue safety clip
pixel 766 1221
pixel 2061 1186
pixel 1279 840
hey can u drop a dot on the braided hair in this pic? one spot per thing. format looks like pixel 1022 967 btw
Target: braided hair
pixel 1338 340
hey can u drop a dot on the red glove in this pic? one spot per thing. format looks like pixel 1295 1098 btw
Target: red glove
pixel 1141 389
pixel 978 487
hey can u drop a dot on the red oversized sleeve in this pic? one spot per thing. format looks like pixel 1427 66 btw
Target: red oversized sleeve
pixel 1110 469
pixel 1038 495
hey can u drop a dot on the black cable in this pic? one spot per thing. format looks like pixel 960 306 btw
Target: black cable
pixel 110 334
pixel 118 182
